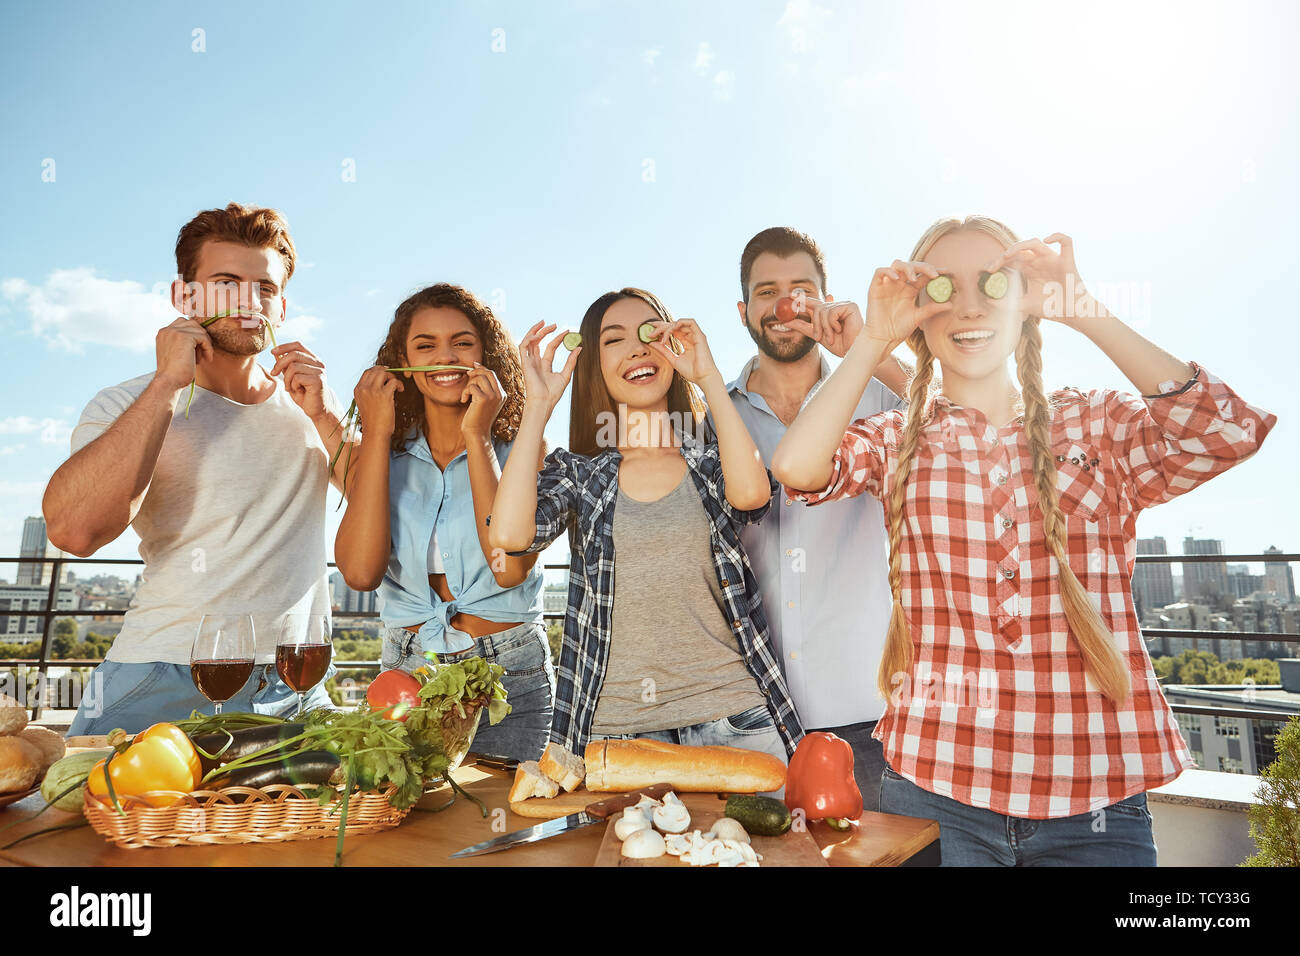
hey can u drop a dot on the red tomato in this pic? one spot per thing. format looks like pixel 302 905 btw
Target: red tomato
pixel 391 689
pixel 785 309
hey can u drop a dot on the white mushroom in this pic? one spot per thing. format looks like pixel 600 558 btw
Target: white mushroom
pixel 672 817
pixel 729 829
pixel 677 844
pixel 643 845
pixel 647 804
pixel 628 825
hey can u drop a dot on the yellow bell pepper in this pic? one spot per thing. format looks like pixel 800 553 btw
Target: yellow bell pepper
pixel 156 760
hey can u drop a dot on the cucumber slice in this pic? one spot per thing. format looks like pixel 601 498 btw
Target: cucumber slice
pixel 646 332
pixel 572 340
pixel 994 284
pixel 939 289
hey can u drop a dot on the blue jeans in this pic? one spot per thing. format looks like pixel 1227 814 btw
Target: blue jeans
pixel 136 696
pixel 752 729
pixel 529 680
pixel 1117 835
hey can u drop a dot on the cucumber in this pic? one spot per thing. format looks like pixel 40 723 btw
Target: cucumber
pixel 646 332
pixel 572 340
pixel 763 816
pixel 939 289
pixel 65 774
pixel 994 284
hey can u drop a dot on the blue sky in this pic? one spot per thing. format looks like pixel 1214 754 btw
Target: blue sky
pixel 541 154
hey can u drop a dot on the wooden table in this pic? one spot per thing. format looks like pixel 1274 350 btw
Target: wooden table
pixel 423 839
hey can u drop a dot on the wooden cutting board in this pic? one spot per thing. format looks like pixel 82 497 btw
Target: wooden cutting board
pixel 789 849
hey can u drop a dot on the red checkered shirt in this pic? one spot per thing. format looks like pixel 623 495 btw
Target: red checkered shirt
pixel 997 710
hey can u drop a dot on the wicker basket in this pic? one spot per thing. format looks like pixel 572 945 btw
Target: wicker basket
pixel 238 815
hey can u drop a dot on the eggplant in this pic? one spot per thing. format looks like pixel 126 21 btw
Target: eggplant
pixel 244 742
pixel 303 768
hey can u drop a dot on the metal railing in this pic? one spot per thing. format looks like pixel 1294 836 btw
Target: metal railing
pixel 51 612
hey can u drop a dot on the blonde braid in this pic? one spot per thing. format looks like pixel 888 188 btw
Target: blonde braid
pixel 897 658
pixel 1095 640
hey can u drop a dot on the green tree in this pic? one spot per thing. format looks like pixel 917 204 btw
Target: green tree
pixel 1275 820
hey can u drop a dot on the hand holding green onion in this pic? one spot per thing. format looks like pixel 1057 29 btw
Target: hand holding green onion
pixel 207 342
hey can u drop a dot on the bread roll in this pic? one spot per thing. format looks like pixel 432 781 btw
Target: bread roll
pixel 49 743
pixel 20 765
pixel 618 765
pixel 564 768
pixel 13 715
pixel 531 782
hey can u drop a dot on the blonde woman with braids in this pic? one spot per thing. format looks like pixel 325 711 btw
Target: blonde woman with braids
pixel 1021 705
pixel 419 492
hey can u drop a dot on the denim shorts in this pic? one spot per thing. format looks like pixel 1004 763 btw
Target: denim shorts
pixel 752 729
pixel 529 680
pixel 1117 835
pixel 136 696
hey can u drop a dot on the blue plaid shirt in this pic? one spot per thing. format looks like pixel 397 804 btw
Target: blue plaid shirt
pixel 577 494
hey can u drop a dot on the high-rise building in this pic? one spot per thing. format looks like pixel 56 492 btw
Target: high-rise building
pixel 1278 578
pixel 1205 582
pixel 348 601
pixel 34 545
pixel 1153 583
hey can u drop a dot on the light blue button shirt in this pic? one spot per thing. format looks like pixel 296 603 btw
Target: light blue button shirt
pixel 824 574
pixel 421 498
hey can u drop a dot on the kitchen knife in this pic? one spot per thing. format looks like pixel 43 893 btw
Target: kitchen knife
pixel 597 812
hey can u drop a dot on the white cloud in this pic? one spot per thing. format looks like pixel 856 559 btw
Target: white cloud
pixel 22 489
pixel 11 449
pixel 52 430
pixel 871 82
pixel 704 57
pixel 803 20
pixel 299 328
pixel 75 308
pixel 723 83
pixel 649 56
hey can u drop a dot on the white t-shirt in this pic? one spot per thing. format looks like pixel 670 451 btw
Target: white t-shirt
pixel 233 522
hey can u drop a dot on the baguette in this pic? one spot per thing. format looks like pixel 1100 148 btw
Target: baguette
pixel 564 768
pixel 619 765
pixel 531 782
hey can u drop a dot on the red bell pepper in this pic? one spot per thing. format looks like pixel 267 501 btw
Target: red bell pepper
pixel 820 781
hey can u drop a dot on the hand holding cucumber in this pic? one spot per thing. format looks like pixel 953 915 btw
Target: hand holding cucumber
pixel 694 362
pixel 542 383
pixel 1052 287
pixel 895 304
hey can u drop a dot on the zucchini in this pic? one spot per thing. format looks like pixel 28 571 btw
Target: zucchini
pixel 994 284
pixel 939 289
pixel 304 768
pixel 764 816
pixel 70 774
pixel 572 340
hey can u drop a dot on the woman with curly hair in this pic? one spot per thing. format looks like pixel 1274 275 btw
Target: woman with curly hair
pixel 421 486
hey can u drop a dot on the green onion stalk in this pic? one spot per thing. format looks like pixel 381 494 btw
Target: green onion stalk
pixel 221 315
pixel 350 417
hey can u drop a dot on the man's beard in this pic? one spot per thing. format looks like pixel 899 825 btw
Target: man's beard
pixel 791 351
pixel 239 341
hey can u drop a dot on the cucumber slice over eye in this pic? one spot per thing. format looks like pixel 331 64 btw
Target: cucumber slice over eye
pixel 572 340
pixel 994 284
pixel 939 289
pixel 646 332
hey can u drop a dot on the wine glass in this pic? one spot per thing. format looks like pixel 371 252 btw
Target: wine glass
pixel 221 660
pixel 302 654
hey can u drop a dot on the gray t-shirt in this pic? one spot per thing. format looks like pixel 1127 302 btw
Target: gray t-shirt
pixel 673 660
pixel 233 521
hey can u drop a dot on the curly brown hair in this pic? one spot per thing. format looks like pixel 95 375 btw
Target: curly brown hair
pixel 499 354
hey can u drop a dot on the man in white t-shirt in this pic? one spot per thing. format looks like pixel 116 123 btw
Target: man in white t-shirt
pixel 225 489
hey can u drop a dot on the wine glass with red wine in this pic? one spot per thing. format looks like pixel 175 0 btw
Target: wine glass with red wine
pixel 302 654
pixel 221 660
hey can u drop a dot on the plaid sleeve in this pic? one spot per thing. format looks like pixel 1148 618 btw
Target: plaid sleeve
pixel 1166 444
pixel 861 463
pixel 558 493
pixel 711 469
